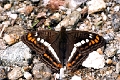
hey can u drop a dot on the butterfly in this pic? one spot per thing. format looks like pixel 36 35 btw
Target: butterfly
pixel 63 48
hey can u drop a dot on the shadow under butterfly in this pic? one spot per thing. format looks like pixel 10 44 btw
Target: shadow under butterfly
pixel 63 48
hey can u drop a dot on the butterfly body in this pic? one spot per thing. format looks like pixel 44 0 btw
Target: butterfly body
pixel 63 48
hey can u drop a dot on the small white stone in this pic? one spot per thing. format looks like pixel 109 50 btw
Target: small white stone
pixel 95 62
pixel 96 6
pixel 27 75
pixel 76 78
pixel 13 16
pixel 116 8
pixel 7 6
pixel 45 2
pixel 42 41
pixel 104 17
pixel 38 39
pixel 82 42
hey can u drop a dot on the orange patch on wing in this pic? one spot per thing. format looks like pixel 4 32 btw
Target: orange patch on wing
pixel 89 43
pixel 96 40
pixel 29 35
pixel 97 37
pixel 50 59
pixel 34 42
pixel 68 65
pixel 79 54
pixel 92 42
pixel 29 38
pixel 32 39
pixel 59 65
pixel 73 62
pixel 55 63
pixel 77 57
pixel 45 54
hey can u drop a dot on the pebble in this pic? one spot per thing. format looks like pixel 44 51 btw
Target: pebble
pixel 13 16
pixel 118 51
pixel 26 68
pixel 18 54
pixel 21 10
pixel 2 73
pixel 7 6
pixel 95 62
pixel 40 71
pixel 73 4
pixel 96 6
pixel 1 9
pixel 116 21
pixel 15 73
pixel 40 15
pixel 108 37
pixel 28 9
pixel 11 38
pixel 2 45
pixel 118 67
pixel 118 78
pixel 110 51
pixel 104 17
pixel 6 23
pixel 2 18
pixel 100 51
pixel 109 61
pixel 75 77
pixel 117 8
pixel 27 75
pixel 3 1
pixel 117 1
pixel 35 1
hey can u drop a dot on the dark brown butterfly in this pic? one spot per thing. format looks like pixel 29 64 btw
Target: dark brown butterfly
pixel 63 48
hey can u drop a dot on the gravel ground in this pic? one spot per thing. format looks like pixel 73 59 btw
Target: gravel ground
pixel 18 62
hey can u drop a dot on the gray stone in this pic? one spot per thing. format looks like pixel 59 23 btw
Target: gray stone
pixel 117 1
pixel 40 71
pixel 116 21
pixel 19 54
pixel 109 37
pixel 118 51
